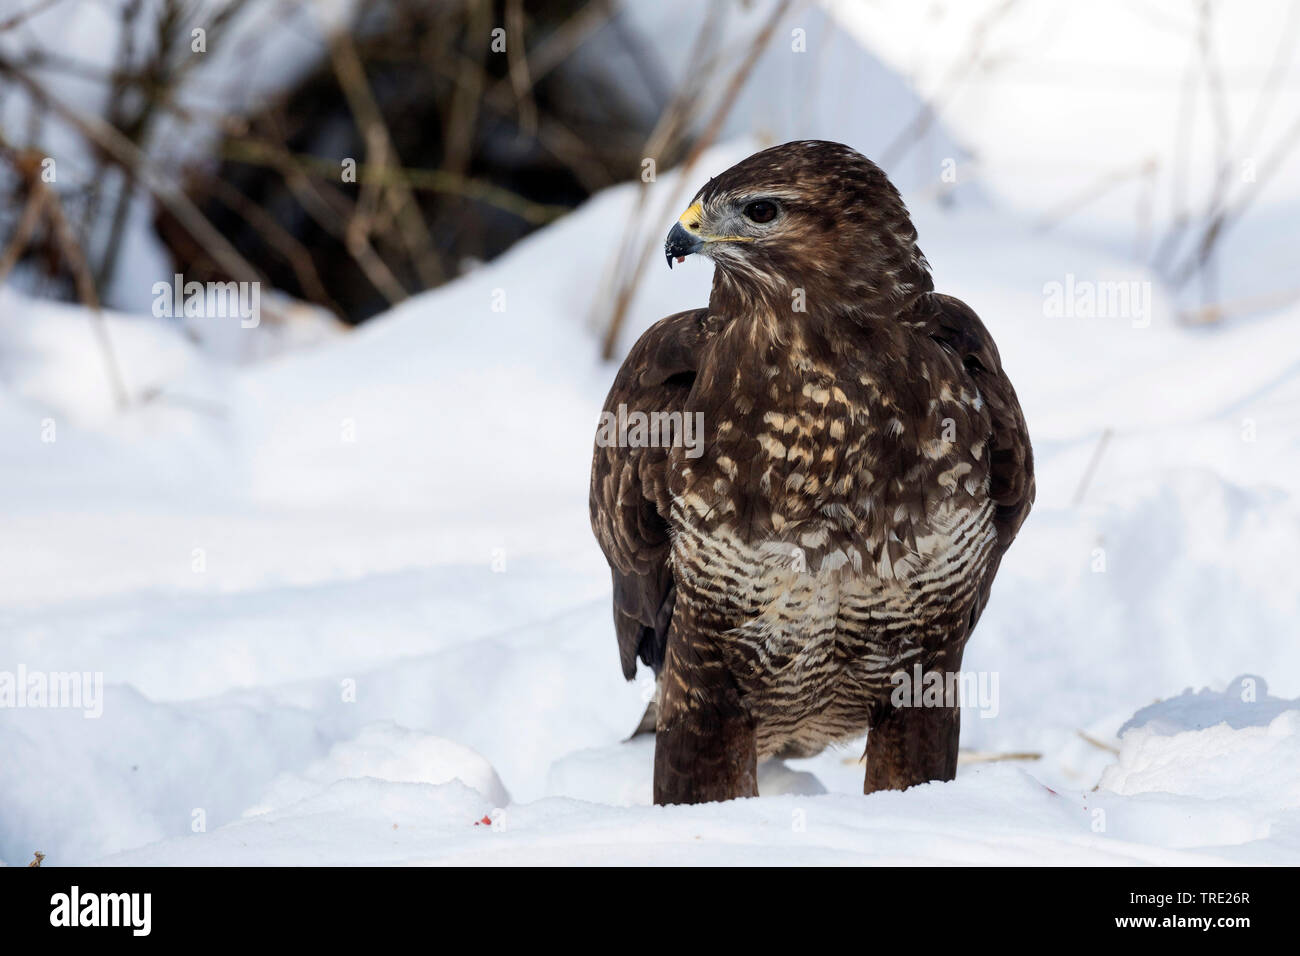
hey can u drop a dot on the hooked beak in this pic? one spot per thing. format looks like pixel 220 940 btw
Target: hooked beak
pixel 684 238
pixel 680 244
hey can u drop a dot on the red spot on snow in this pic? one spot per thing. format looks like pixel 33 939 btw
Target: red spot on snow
pixel 485 822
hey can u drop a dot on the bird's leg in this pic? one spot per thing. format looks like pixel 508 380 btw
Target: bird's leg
pixel 705 755
pixel 911 745
pixel 705 748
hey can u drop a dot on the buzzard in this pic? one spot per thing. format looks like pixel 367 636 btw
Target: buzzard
pixel 862 467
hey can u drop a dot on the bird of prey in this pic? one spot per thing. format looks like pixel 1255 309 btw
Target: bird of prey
pixel 862 466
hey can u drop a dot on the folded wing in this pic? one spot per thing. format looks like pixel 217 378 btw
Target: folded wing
pixel 629 487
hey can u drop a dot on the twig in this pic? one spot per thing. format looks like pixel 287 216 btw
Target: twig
pixel 1094 191
pixel 965 756
pixel 623 298
pixel 1222 147
pixel 44 201
pixel 1217 311
pixel 257 153
pixel 23 16
pixel 324 209
pixel 1178 181
pixel 562 143
pixel 1225 218
pixel 1092 466
pixel 517 56
pixel 1100 745
pixel 380 150
pixel 165 71
pixel 1218 216
pixel 981 756
pixel 1255 124
pixel 467 96
pixel 22 233
pixel 204 406
pixel 131 159
pixel 672 125
pixel 920 124
pixel 558 46
pixel 85 283
pixel 295 253
pixel 1144 210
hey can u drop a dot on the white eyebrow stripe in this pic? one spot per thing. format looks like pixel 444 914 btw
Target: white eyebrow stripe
pixel 778 194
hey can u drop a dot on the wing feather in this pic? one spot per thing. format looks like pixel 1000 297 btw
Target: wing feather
pixel 1011 465
pixel 629 497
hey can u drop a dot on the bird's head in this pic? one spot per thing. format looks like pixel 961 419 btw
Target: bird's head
pixel 804 215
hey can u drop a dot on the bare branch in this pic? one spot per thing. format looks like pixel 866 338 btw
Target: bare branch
pixel 914 131
pixel 22 17
pixel 623 297
pixel 381 152
pixel 254 152
pixel 22 234
pixel 127 155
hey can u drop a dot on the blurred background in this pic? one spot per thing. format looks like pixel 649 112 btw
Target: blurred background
pixel 340 534
pixel 211 139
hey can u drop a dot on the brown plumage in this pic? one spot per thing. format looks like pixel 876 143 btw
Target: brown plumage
pixel 864 465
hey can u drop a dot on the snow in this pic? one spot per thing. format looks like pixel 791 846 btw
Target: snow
pixel 386 752
pixel 1111 109
pixel 994 816
pixel 347 607
pixel 1205 768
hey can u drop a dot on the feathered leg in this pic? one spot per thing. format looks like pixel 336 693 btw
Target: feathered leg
pixel 911 745
pixel 705 749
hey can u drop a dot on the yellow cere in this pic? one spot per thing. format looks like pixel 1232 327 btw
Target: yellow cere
pixel 692 217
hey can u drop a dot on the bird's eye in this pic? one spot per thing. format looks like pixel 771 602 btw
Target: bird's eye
pixel 761 210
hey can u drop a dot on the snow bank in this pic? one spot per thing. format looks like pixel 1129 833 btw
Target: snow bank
pixel 1225 794
pixel 385 751
pixel 1211 768
pixel 993 815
